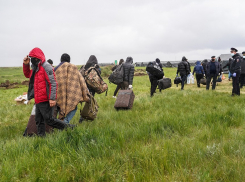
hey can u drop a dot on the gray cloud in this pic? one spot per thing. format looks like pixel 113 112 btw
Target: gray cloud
pixel 117 29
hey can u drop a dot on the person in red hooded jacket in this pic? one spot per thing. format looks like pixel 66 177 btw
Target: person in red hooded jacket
pixel 43 88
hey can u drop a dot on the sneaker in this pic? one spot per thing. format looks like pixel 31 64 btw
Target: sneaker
pixel 114 97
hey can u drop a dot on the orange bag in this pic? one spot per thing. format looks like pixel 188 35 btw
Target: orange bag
pixel 223 77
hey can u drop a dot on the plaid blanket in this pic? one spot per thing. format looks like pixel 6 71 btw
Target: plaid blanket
pixel 72 88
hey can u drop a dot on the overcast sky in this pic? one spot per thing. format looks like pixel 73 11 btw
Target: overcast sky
pixel 112 29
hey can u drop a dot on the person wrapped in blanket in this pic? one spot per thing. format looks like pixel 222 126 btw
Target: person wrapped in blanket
pixel 72 89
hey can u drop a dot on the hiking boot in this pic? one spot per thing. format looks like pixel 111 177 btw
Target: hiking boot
pixel 114 97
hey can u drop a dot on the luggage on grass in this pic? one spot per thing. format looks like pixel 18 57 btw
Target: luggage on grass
pixel 90 109
pixel 164 84
pixel 203 81
pixel 177 80
pixel 154 69
pixel 125 99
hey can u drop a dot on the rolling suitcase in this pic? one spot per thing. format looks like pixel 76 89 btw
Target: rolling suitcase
pixel 164 84
pixel 125 100
pixel 31 128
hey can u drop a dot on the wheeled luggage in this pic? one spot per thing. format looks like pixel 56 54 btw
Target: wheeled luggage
pixel 125 99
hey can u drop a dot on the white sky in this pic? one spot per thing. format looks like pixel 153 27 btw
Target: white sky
pixel 112 29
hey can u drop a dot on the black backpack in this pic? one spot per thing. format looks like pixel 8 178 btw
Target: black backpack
pixel 116 76
pixel 155 70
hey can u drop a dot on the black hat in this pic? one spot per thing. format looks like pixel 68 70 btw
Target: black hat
pixel 243 52
pixel 213 57
pixel 50 61
pixel 234 49
pixel 65 58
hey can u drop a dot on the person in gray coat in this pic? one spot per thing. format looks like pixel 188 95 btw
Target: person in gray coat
pixel 128 68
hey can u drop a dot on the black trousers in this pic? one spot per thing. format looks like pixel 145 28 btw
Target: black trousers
pixel 242 79
pixel 124 85
pixel 118 88
pixel 235 84
pixel 214 77
pixel 183 77
pixel 44 114
pixel 199 77
pixel 153 85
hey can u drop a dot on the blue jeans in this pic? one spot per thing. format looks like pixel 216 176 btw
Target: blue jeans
pixel 70 115
pixel 229 75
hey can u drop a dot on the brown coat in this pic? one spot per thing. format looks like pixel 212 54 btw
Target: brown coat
pixel 72 88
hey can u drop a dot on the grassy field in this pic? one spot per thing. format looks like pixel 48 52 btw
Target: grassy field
pixel 190 135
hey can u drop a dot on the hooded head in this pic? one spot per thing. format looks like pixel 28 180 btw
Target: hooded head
pixel 91 62
pixel 158 60
pixel 184 58
pixel 198 63
pixel 121 61
pixel 129 60
pixel 65 58
pixel 37 56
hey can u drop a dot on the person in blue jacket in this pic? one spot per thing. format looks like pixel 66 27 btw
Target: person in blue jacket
pixel 199 72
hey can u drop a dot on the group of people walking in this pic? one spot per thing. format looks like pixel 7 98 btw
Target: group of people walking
pixel 58 91
pixel 212 69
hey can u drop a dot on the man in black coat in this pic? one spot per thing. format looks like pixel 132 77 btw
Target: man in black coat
pixel 128 68
pixel 204 65
pixel 183 69
pixel 235 71
pixel 242 77
pixel 153 79
pixel 213 70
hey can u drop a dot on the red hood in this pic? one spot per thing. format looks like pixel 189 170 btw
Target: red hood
pixel 37 53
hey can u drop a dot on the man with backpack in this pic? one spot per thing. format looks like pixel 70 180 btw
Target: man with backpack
pixel 119 85
pixel 128 74
pixel 199 72
pixel 235 71
pixel 183 70
pixel 213 70
pixel 43 88
pixel 154 79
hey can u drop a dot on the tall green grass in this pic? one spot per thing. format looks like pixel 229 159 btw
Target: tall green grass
pixel 190 135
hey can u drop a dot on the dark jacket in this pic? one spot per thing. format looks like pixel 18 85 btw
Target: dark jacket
pixel 236 64
pixel 128 71
pixel 198 68
pixel 228 64
pixel 204 65
pixel 189 66
pixel 217 65
pixel 221 68
pixel 183 68
pixel 243 66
